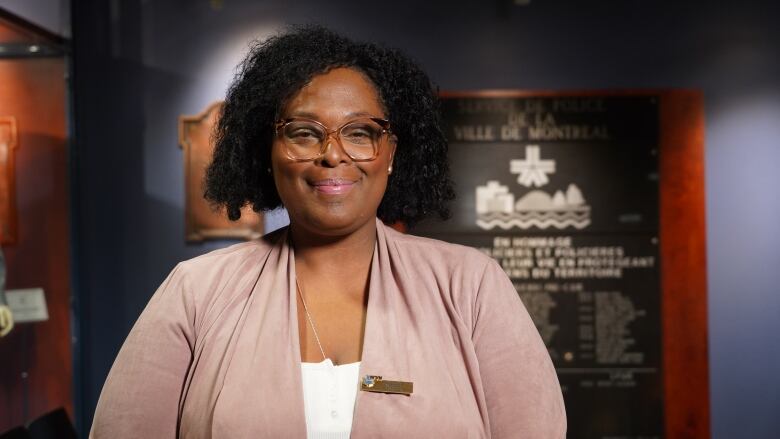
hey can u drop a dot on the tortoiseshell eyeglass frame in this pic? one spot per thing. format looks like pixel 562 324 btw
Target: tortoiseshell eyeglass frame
pixel 383 123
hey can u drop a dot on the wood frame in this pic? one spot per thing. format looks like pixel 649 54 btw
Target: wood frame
pixel 8 213
pixel 682 237
pixel 201 221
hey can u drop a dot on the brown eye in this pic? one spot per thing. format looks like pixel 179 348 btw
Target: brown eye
pixel 360 134
pixel 302 132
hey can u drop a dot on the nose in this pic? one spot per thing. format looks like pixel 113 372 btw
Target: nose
pixel 332 152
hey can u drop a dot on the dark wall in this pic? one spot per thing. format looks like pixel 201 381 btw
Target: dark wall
pixel 138 65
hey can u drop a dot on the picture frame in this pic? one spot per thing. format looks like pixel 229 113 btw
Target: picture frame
pixel 202 222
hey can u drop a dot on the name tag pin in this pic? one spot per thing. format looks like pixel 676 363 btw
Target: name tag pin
pixel 375 383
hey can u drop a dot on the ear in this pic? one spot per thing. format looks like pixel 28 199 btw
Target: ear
pixel 393 143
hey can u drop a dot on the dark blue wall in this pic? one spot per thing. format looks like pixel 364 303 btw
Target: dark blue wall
pixel 140 64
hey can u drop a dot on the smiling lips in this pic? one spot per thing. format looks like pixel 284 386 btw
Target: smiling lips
pixel 333 186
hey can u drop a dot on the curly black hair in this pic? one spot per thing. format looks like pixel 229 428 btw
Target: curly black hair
pixel 274 70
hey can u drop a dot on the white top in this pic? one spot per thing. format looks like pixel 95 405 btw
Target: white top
pixel 329 394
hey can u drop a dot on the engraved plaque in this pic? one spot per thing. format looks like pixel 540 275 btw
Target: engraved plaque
pixel 563 192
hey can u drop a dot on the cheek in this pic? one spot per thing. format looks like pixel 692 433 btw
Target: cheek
pixel 277 170
pixel 284 174
pixel 277 158
pixel 379 177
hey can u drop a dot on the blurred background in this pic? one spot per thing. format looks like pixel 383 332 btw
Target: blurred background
pixel 99 175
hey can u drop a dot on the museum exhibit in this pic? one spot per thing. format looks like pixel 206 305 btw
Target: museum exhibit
pixel 512 219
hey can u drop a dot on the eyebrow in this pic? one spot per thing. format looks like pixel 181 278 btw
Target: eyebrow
pixel 307 115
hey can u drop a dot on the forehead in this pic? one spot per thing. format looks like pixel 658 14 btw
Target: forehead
pixel 335 95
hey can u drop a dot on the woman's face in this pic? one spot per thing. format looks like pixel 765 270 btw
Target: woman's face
pixel 333 195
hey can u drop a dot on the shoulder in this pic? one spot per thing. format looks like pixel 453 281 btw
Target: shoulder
pixel 436 251
pixel 222 273
pixel 438 255
pixel 234 255
pixel 462 277
pixel 206 284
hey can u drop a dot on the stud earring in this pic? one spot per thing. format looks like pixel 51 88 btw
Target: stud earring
pixel 389 169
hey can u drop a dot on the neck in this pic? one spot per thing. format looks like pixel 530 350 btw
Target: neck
pixel 342 261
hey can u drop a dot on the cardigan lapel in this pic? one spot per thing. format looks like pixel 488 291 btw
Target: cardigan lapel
pixel 383 341
pixel 262 395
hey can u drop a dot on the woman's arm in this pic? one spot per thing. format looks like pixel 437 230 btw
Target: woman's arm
pixel 521 388
pixel 140 398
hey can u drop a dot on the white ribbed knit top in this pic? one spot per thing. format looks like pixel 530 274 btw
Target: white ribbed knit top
pixel 329 394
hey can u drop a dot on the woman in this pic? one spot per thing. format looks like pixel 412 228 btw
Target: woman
pixel 269 339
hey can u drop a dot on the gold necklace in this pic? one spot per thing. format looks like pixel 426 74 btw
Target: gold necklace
pixel 308 316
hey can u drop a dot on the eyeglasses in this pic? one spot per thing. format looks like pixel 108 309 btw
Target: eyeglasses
pixel 306 139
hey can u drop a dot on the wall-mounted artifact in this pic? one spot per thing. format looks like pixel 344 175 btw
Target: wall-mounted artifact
pixel 6 316
pixel 203 222
pixel 593 203
pixel 8 142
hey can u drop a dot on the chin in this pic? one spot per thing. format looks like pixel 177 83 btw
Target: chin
pixel 333 222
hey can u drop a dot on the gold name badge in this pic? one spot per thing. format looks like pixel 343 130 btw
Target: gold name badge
pixel 374 383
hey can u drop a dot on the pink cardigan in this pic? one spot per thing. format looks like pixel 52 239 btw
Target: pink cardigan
pixel 215 353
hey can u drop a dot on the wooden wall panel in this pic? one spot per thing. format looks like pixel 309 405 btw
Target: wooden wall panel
pixel 8 214
pixel 683 265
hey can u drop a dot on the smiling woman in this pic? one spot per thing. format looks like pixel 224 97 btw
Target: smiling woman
pixel 336 326
pixel 274 73
pixel 337 189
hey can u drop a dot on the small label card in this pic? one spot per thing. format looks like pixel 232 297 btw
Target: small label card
pixel 27 305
